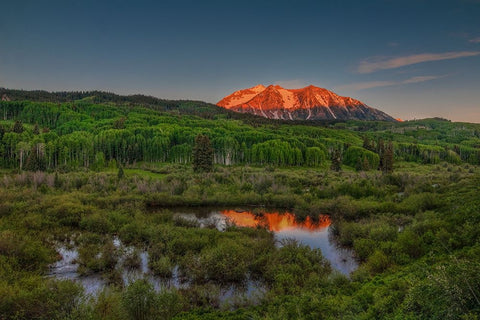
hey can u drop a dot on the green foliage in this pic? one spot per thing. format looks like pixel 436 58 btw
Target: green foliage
pixel 74 134
pixel 139 301
pixel 336 158
pixel 162 267
pixel 355 155
pixel 447 291
pixel 40 300
pixel 202 154
pixel 314 156
pixel 120 173
pixel 295 266
pixel 23 252
pixel 415 232
pixel 18 127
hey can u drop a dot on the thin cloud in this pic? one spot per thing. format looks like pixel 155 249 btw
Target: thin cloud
pixel 369 66
pixel 420 79
pixel 375 84
pixel 474 40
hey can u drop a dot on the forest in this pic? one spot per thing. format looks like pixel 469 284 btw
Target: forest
pixel 90 170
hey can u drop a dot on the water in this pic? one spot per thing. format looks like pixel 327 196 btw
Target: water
pixel 314 234
pixel 67 269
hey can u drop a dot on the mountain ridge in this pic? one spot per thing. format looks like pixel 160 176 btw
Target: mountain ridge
pixel 308 103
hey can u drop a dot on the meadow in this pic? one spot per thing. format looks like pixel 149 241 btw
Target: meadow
pixel 86 173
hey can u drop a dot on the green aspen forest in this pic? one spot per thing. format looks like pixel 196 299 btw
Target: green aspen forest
pixel 111 180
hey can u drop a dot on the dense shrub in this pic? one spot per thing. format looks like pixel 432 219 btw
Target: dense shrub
pixel 360 158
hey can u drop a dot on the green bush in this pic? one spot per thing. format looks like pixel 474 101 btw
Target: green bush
pixel 140 301
pixel 162 267
pixel 378 262
pixel 354 156
pixel 96 222
pixel 24 252
pixel 363 248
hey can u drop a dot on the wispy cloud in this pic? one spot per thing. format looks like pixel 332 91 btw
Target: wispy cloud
pixel 372 65
pixel 474 40
pixel 376 84
pixel 420 79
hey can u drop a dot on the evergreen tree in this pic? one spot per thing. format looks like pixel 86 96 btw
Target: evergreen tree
pixel 388 158
pixel 336 160
pixel 99 162
pixel 368 144
pixel 365 164
pixel 36 159
pixel 202 154
pixel 18 127
pixel 381 154
pixel 36 129
pixel 56 182
pixel 119 123
pixel 362 164
pixel 120 173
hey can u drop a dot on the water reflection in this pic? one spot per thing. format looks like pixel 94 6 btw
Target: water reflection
pixel 67 269
pixel 311 232
pixel 275 221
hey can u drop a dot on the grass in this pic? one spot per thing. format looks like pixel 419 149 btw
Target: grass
pixel 402 226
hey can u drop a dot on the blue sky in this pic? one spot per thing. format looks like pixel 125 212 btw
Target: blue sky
pixel 409 58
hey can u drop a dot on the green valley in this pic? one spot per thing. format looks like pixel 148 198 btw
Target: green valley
pixel 87 170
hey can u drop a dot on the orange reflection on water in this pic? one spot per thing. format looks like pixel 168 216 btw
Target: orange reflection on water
pixel 275 221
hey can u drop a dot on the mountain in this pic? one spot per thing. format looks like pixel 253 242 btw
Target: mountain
pixel 309 103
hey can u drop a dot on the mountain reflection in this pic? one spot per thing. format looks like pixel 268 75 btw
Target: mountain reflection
pixel 275 221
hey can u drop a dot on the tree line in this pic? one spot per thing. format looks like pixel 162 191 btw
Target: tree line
pixel 47 136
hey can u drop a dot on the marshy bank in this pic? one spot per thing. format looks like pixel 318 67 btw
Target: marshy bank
pixel 114 263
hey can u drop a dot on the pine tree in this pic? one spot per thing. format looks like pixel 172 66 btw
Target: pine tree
pixel 336 160
pixel 202 154
pixel 388 158
pixel 381 154
pixel 36 159
pixel 57 182
pixel 36 129
pixel 365 164
pixel 120 173
pixel 119 123
pixel 368 144
pixel 18 127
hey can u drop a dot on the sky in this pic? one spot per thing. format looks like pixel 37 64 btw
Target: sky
pixel 409 58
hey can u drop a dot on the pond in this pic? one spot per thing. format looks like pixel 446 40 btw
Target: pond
pixel 67 269
pixel 311 232
pixel 314 233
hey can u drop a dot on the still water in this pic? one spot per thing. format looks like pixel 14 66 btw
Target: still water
pixel 310 232
pixel 314 233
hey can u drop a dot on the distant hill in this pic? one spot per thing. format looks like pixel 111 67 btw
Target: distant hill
pixel 191 107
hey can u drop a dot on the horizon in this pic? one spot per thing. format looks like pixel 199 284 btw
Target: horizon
pixel 411 60
pixel 161 98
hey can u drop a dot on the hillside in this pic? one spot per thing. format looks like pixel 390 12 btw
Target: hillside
pixel 165 131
